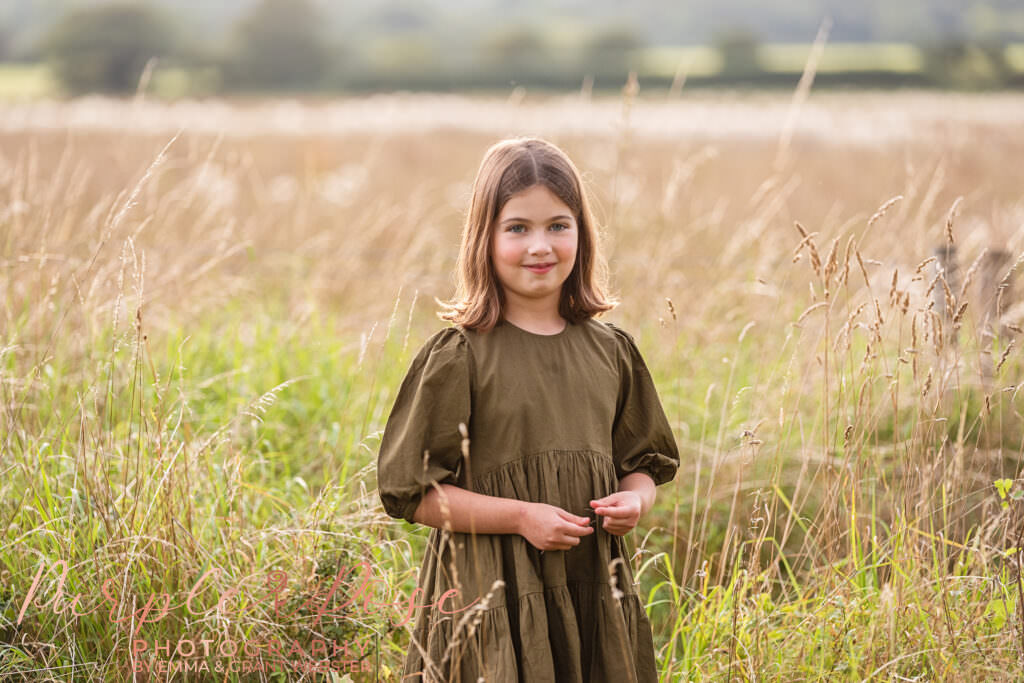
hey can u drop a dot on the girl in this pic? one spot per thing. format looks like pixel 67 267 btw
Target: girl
pixel 530 436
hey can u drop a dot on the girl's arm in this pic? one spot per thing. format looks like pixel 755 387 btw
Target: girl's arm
pixel 470 511
pixel 624 508
pixel 546 527
pixel 641 483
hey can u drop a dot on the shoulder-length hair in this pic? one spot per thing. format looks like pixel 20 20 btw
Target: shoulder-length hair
pixel 508 168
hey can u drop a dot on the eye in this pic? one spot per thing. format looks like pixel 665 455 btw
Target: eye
pixel 516 227
pixel 559 227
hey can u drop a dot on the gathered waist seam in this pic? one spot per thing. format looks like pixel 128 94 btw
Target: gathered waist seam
pixel 532 456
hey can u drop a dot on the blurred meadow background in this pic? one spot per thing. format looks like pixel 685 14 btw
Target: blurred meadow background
pixel 223 227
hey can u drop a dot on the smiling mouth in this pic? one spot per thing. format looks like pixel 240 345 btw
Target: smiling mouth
pixel 540 266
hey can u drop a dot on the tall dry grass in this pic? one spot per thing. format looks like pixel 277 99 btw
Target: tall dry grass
pixel 202 335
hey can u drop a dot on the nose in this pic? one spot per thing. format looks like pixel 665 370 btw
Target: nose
pixel 539 244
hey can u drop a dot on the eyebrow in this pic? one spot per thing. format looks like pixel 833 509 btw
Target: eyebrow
pixel 523 220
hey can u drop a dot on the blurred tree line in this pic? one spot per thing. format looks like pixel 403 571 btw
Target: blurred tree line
pixel 294 45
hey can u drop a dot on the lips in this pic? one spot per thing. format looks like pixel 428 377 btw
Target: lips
pixel 540 267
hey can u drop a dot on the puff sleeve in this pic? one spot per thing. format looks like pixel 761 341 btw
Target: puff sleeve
pixel 642 440
pixel 433 399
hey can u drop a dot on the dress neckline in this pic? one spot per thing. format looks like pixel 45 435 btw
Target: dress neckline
pixel 556 335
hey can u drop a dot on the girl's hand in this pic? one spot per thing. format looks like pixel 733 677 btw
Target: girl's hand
pixel 548 527
pixel 621 511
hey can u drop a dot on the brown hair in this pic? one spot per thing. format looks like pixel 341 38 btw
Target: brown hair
pixel 508 168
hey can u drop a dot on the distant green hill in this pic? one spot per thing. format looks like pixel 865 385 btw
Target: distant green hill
pixel 659 22
pixel 559 44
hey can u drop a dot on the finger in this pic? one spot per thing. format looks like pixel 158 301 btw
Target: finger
pixel 576 529
pixel 569 517
pixel 617 528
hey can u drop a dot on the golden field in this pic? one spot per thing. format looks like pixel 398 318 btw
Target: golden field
pixel 208 308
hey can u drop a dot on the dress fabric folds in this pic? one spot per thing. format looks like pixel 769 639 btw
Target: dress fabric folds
pixel 554 419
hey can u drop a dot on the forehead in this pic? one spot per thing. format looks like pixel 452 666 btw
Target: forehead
pixel 536 201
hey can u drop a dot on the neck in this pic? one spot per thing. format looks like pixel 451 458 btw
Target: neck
pixel 534 313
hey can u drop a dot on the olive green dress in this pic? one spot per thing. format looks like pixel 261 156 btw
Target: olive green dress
pixel 557 419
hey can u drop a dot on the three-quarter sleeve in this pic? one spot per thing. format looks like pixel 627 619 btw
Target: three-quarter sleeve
pixel 642 440
pixel 433 400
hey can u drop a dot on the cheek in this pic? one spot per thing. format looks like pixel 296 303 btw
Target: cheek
pixel 567 248
pixel 501 253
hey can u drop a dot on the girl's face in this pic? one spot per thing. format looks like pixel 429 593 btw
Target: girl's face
pixel 534 247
